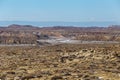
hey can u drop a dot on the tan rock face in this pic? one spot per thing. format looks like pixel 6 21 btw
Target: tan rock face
pixel 17 37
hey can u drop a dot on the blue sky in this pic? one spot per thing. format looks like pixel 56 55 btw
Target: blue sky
pixel 60 10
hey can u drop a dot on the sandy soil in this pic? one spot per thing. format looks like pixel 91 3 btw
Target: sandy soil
pixel 61 62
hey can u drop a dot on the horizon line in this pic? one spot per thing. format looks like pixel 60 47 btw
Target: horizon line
pixel 55 21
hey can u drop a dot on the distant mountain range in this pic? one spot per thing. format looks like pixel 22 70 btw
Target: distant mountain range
pixel 50 24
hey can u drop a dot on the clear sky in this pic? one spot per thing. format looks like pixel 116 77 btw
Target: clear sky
pixel 60 10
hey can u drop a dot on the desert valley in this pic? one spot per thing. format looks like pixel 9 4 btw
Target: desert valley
pixel 59 53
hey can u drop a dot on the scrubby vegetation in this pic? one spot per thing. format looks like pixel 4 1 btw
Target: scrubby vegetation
pixel 61 62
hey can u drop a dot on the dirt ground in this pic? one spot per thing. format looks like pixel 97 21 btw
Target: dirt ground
pixel 61 62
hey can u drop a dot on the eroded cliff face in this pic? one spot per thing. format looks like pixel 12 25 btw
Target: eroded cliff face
pixel 17 34
pixel 27 34
pixel 17 37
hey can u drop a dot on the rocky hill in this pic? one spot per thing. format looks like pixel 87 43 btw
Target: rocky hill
pixel 28 34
